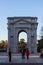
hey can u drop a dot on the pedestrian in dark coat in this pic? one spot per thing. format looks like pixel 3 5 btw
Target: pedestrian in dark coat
pixel 27 53
pixel 41 55
pixel 23 53
pixel 9 54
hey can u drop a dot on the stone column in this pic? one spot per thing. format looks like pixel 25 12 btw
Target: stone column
pixel 35 41
pixel 15 41
pixel 12 38
pixel 29 40
pixel 9 37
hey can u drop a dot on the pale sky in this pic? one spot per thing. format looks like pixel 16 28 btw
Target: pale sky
pixel 23 35
pixel 11 8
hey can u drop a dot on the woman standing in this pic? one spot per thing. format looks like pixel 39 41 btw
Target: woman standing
pixel 27 53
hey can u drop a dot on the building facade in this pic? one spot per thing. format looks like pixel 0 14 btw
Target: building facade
pixel 19 24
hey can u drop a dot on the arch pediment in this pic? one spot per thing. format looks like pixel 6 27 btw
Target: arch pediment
pixel 21 21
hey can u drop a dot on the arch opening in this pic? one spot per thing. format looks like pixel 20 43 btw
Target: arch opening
pixel 22 40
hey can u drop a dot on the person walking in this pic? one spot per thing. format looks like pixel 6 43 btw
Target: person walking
pixel 9 54
pixel 27 53
pixel 41 55
pixel 23 53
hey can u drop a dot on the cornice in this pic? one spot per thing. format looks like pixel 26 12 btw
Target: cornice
pixel 22 17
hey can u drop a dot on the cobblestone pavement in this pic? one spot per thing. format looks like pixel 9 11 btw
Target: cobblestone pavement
pixel 16 58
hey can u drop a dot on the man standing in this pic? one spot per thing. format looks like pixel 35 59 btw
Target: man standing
pixel 9 54
pixel 23 53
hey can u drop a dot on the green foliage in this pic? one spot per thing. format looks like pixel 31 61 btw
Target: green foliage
pixel 41 49
pixel 40 44
pixel 21 44
pixel 3 45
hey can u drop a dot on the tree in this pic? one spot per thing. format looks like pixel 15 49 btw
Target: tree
pixel 42 37
pixel 22 40
pixel 22 44
pixel 3 43
pixel 40 42
pixel 6 43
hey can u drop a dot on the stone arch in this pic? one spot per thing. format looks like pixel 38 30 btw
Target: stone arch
pixel 19 32
pixel 22 31
pixel 19 24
